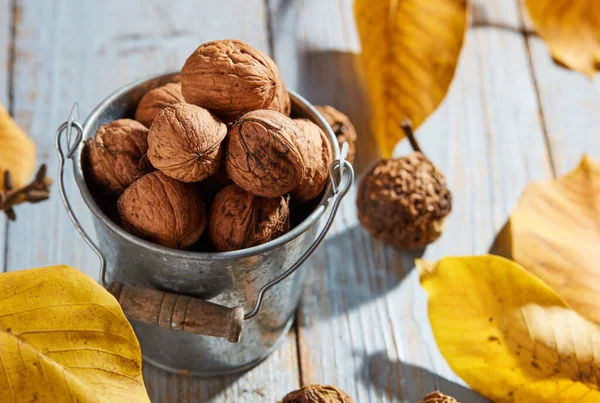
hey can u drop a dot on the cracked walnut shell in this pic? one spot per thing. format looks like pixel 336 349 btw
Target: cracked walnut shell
pixel 264 153
pixel 184 142
pixel 163 210
pixel 317 156
pixel 437 397
pixel 342 127
pixel 231 78
pixel 156 100
pixel 318 394
pixel 117 154
pixel 404 201
pixel 239 220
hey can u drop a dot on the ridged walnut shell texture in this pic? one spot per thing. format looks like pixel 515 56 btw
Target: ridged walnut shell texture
pixel 156 100
pixel 403 201
pixel 184 142
pixel 239 220
pixel 264 153
pixel 163 210
pixel 342 127
pixel 117 154
pixel 317 156
pixel 437 397
pixel 231 78
pixel 318 394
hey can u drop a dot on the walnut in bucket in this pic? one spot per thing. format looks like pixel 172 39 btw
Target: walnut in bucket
pixel 264 153
pixel 317 156
pixel 231 78
pixel 342 127
pixel 239 219
pixel 163 210
pixel 156 100
pixel 117 154
pixel 184 142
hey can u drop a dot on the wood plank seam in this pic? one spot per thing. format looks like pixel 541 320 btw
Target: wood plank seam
pixel 542 118
pixel 12 8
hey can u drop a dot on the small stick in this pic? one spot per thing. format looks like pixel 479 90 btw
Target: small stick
pixel 408 130
pixel 36 191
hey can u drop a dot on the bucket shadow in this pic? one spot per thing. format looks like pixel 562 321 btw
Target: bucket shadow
pixel 334 78
pixel 400 381
pixel 351 269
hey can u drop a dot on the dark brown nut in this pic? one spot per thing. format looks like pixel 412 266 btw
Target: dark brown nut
pixel 342 127
pixel 437 397
pixel 317 157
pixel 156 100
pixel 318 394
pixel 163 210
pixel 231 78
pixel 117 154
pixel 239 220
pixel 404 201
pixel 184 142
pixel 264 153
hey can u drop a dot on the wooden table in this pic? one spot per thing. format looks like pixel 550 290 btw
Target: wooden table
pixel 511 117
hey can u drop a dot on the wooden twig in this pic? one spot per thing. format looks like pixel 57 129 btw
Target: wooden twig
pixel 37 191
pixel 408 130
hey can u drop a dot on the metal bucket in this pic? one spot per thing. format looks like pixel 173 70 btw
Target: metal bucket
pixel 230 279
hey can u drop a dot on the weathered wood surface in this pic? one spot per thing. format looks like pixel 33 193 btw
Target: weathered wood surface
pixel 363 320
pixel 511 116
pixel 70 51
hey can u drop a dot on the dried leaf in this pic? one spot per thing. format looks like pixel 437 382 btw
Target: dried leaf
pixel 508 334
pixel 65 339
pixel 410 49
pixel 17 151
pixel 554 232
pixel 571 28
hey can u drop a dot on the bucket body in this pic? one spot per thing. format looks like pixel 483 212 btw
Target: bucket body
pixel 231 278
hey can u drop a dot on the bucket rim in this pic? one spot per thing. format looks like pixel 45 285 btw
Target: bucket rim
pixel 298 102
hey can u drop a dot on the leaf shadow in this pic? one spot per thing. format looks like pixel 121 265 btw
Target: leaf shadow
pixel 404 382
pixel 351 269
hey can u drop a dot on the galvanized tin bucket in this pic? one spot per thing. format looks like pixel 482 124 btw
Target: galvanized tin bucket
pixel 262 281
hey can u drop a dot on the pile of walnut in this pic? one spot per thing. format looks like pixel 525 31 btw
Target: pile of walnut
pixel 223 135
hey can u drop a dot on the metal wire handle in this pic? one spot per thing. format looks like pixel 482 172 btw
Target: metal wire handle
pixel 341 175
pixel 69 125
pixel 339 191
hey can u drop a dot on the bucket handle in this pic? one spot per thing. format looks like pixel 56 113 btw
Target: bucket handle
pixel 176 311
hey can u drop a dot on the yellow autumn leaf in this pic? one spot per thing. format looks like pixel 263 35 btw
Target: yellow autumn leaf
pixel 17 151
pixel 554 232
pixel 410 49
pixel 508 334
pixel 63 338
pixel 571 28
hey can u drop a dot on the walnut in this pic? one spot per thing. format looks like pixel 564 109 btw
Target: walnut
pixel 342 127
pixel 404 201
pixel 264 153
pixel 239 220
pixel 156 100
pixel 163 210
pixel 318 394
pixel 231 78
pixel 184 142
pixel 437 397
pixel 317 156
pixel 117 154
